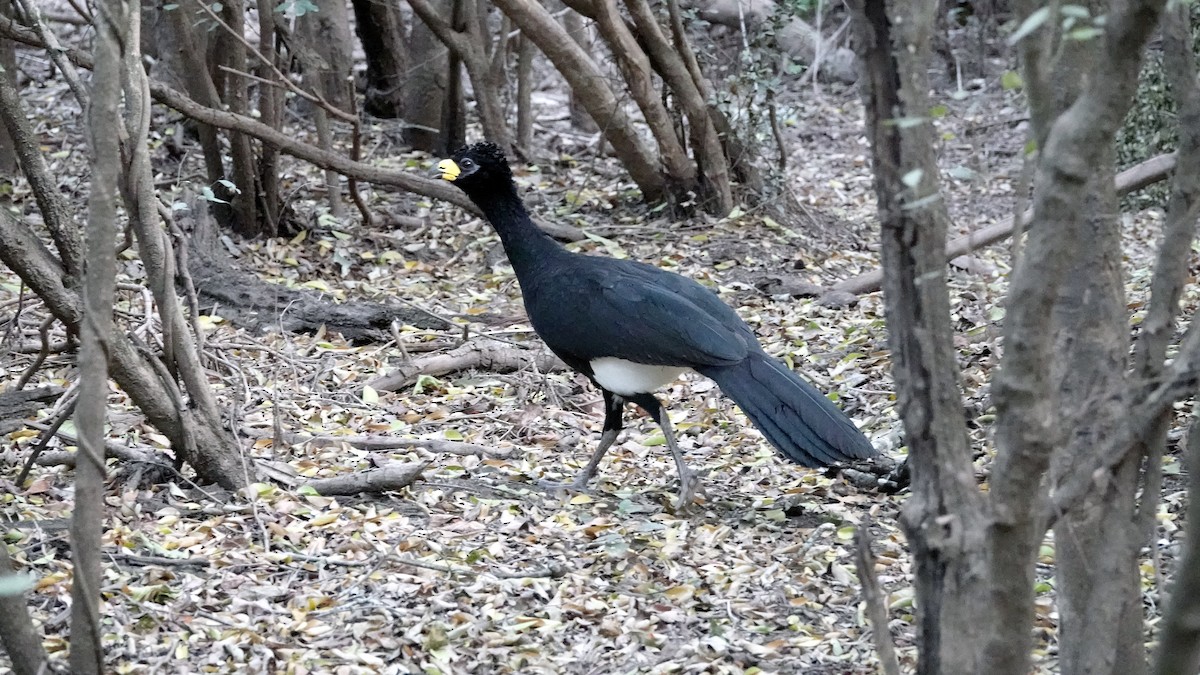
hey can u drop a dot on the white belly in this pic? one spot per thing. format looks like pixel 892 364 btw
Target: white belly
pixel 628 378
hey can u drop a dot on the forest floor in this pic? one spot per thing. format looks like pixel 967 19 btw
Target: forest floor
pixel 470 569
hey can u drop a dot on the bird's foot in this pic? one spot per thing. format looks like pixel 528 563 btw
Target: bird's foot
pixel 689 482
pixel 576 485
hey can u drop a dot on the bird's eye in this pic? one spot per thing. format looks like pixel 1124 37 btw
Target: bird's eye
pixel 467 163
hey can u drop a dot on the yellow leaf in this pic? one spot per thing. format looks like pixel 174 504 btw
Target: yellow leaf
pixel 681 592
pixel 324 519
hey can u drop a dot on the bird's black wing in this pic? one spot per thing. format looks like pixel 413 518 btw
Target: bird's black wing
pixel 600 307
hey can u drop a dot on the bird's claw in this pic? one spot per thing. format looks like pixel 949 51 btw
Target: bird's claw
pixel 555 486
pixel 689 482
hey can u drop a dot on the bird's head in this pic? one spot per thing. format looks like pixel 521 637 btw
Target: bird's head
pixel 477 169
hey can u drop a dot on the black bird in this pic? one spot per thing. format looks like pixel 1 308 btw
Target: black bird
pixel 632 328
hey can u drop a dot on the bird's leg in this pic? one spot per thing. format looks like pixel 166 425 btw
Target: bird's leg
pixel 689 480
pixel 613 405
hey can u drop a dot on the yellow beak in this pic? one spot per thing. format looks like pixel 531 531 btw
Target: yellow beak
pixel 447 169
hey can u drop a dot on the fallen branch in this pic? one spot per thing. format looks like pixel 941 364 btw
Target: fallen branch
pixel 1134 178
pixel 390 476
pixel 112 450
pixel 385 443
pixel 487 355
pixel 246 300
pixel 15 406
pixel 159 561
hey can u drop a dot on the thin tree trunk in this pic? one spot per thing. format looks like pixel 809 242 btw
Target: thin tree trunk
pixel 942 519
pixel 432 96
pixel 525 54
pixel 380 31
pixel 1179 641
pixel 8 62
pixel 115 26
pixel 706 142
pixel 1099 588
pixel 245 171
pixel 182 54
pixel 270 109
pixel 50 201
pixel 579 115
pixel 17 633
pixel 1179 644
pixel 468 44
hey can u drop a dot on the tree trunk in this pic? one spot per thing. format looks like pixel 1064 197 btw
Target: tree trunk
pixel 327 33
pixel 8 62
pixel 1179 642
pixel 942 517
pixel 270 110
pixel 466 37
pixel 578 32
pixel 116 27
pixel 1099 588
pixel 428 94
pixel 17 633
pixel 380 30
pixel 236 96
pixel 181 47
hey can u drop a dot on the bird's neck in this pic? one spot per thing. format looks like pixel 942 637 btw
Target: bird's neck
pixel 527 247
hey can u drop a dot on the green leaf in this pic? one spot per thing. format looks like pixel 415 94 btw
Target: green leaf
pixel 906 122
pixel 922 202
pixel 15 584
pixel 1011 80
pixel 452 435
pixel 913 178
pixel 938 111
pixel 1084 33
pixel 1030 24
pixel 961 173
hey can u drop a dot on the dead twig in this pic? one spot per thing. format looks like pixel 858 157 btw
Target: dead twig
pixel 386 443
pixel 873 597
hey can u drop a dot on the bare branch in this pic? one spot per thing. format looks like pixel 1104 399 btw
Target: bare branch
pixel 483 354
pixel 391 476
pixel 864 562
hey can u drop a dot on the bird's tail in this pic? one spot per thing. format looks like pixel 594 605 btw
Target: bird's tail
pixel 796 418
